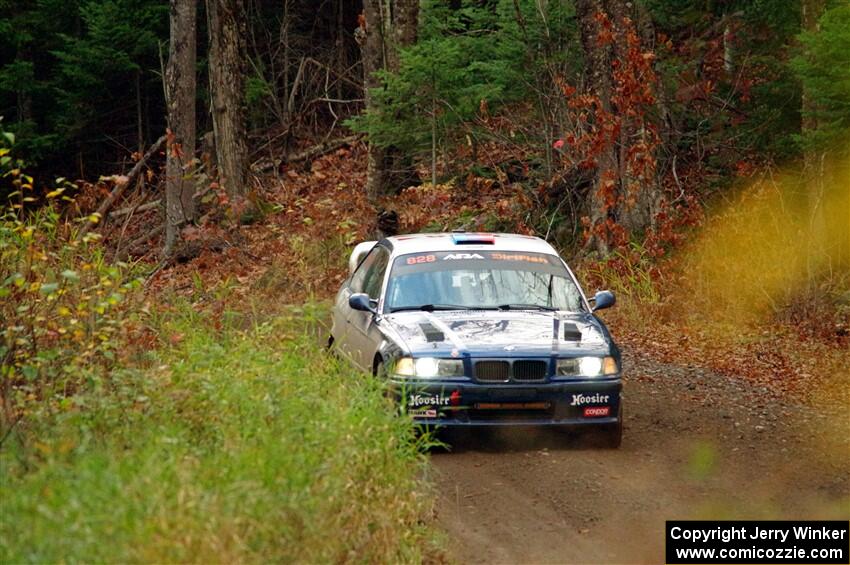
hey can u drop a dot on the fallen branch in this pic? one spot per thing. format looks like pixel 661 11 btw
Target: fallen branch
pixel 307 154
pixel 124 253
pixel 151 205
pixel 269 141
pixel 160 266
pixel 120 187
pixel 133 209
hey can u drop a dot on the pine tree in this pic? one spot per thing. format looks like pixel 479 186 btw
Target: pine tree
pixel 823 66
pixel 79 76
pixel 464 56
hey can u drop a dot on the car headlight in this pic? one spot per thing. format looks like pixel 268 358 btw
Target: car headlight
pixel 428 367
pixel 587 367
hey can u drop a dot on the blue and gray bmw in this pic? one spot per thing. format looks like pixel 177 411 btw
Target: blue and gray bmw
pixel 476 329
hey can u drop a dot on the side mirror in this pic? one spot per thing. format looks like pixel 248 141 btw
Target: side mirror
pixel 603 299
pixel 360 251
pixel 361 301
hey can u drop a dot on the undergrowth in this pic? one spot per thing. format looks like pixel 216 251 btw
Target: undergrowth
pixel 755 292
pixel 199 425
pixel 239 441
pixel 63 306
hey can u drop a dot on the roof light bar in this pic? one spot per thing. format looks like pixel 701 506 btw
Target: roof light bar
pixel 473 238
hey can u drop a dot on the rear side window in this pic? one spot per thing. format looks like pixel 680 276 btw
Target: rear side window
pixel 375 276
pixel 359 277
pixel 369 275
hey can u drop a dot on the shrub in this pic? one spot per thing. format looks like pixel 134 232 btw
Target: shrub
pixel 61 302
pixel 235 445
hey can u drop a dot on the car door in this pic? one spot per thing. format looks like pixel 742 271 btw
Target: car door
pixel 343 313
pixel 362 333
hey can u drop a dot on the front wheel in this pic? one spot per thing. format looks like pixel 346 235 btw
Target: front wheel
pixel 612 434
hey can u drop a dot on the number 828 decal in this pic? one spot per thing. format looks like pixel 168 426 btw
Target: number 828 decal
pixel 421 259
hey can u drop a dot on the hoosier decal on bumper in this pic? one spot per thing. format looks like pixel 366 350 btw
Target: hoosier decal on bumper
pixel 423 405
pixel 418 400
pixel 583 399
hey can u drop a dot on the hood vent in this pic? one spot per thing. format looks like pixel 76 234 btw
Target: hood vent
pixel 571 332
pixel 432 334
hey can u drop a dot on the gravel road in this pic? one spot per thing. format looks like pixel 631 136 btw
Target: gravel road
pixel 697 445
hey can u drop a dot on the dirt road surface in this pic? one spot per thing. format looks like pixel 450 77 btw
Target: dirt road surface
pixel 697 445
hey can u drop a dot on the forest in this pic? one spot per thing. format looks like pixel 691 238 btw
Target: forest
pixel 181 185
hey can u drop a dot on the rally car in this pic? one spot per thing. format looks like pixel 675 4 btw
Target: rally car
pixel 480 329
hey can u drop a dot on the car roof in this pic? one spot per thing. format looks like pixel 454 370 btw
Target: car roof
pixel 421 242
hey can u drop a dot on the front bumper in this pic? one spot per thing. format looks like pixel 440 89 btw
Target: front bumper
pixel 466 403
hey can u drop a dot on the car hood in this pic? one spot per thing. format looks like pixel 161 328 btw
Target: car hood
pixel 498 333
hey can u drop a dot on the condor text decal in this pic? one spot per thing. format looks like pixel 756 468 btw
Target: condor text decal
pixel 591 404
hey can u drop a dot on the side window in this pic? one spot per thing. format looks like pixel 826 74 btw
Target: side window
pixel 375 275
pixel 359 276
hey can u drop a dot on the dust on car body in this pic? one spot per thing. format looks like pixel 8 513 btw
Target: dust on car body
pixel 476 329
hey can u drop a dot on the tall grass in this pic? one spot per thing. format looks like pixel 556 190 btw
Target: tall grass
pixel 761 289
pixel 232 445
pixel 759 258
pixel 764 251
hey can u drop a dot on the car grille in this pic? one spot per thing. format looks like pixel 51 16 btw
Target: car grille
pixel 504 371
pixel 526 371
pixel 491 371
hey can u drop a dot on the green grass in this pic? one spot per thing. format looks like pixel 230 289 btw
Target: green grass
pixel 235 445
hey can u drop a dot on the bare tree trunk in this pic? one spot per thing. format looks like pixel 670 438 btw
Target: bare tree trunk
pixel 284 34
pixel 814 169
pixel 372 45
pixel 626 195
pixel 666 128
pixel 227 29
pixel 812 10
pixel 140 132
pixel 339 45
pixel 599 82
pixel 641 207
pixel 180 91
pixel 389 26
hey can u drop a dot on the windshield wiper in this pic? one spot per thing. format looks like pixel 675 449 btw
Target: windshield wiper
pixel 432 307
pixel 526 307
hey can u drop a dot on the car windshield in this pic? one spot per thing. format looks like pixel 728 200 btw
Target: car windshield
pixel 481 280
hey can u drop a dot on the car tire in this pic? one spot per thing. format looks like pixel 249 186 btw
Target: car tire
pixel 332 350
pixel 380 373
pixel 612 434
